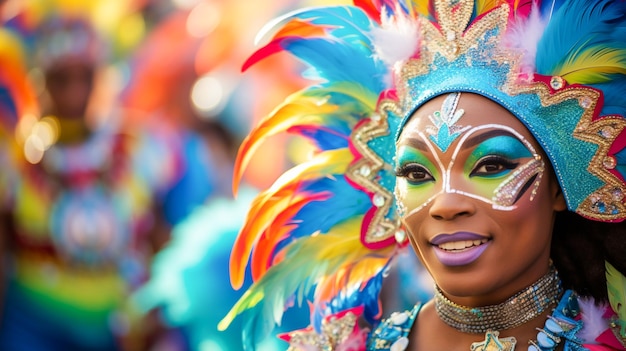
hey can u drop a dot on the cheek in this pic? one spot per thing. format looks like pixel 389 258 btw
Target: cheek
pixel 413 198
pixel 531 219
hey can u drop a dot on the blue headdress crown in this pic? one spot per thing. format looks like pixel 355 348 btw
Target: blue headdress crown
pixel 566 117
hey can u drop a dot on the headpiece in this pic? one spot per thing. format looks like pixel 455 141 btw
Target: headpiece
pixel 92 31
pixel 329 227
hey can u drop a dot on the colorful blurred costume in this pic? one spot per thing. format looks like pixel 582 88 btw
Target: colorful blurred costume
pixel 329 228
pixel 80 213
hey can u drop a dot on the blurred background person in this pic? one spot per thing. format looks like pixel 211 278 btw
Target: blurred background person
pixel 80 217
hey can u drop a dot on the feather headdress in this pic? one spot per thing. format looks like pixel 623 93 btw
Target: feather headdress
pixel 328 228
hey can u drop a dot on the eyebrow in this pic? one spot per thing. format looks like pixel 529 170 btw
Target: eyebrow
pixel 417 144
pixel 477 139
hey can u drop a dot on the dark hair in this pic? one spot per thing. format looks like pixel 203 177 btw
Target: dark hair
pixel 579 248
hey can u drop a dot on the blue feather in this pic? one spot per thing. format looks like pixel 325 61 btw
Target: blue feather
pixel 614 97
pixel 336 62
pixel 322 137
pixel 346 202
pixel 349 23
pixel 581 25
pixel 547 8
pixel 368 297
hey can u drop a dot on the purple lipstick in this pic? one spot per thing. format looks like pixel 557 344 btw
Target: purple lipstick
pixel 459 249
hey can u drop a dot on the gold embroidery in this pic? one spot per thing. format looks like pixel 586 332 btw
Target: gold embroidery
pixel 365 172
pixel 605 203
pixel 334 332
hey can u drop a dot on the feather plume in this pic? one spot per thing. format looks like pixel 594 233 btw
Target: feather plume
pixel 307 262
pixel 397 40
pixel 594 322
pixel 296 110
pixel 583 44
pixel 345 23
pixel 523 36
pixel 302 236
pixel 616 285
pixel 321 107
pixel 323 165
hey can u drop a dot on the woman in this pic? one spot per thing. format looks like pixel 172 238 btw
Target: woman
pixel 489 137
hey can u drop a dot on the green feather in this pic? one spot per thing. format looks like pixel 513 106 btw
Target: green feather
pixel 616 286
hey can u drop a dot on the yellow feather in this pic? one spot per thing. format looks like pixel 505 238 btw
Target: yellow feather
pixel 616 286
pixel 593 66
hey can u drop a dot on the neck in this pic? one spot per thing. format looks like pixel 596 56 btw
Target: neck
pixel 520 308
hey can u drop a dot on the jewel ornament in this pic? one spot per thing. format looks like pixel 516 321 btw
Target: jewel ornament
pixel 493 343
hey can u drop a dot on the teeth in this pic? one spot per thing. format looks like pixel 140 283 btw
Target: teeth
pixel 461 245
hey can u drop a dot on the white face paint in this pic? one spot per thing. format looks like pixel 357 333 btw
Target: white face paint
pixel 492 163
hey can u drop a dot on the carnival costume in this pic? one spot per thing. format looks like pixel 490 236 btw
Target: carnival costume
pixel 329 228
pixel 80 213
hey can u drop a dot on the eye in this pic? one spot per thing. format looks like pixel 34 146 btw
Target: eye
pixel 414 173
pixel 492 166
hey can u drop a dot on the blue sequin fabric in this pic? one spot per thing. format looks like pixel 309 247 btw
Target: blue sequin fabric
pixel 560 328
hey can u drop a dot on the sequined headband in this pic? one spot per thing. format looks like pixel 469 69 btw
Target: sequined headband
pixel 459 53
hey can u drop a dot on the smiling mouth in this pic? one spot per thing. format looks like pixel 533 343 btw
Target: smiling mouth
pixel 461 245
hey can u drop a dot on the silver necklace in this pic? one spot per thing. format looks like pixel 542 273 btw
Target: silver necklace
pixel 520 308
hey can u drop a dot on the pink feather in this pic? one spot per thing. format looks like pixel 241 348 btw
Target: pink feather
pixel 523 35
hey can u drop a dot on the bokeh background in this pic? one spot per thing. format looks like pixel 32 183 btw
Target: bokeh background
pixel 120 122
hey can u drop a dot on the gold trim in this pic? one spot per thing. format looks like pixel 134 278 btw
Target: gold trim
pixel 365 171
pixel 601 132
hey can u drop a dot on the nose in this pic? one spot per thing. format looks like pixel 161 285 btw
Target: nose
pixel 448 206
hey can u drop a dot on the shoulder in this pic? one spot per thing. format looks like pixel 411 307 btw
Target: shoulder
pixel 392 333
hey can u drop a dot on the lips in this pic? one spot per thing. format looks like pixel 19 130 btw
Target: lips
pixel 460 248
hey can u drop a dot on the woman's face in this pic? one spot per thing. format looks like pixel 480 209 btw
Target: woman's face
pixel 477 197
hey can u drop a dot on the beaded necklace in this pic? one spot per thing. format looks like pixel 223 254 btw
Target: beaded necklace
pixel 520 308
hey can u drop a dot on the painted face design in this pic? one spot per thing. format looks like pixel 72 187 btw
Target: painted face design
pixel 445 129
pixel 492 163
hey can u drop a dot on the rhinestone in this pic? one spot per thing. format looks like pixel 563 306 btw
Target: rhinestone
pixel 365 171
pixel 609 162
pixel 533 348
pixel 378 200
pixel 556 82
pixel 617 194
pixel 400 344
pixel 379 232
pixel 607 132
pixel 400 236
pixel 545 341
pixel 553 326
pixel 376 117
pixel 450 36
pixel 584 102
pixel 398 318
pixel 594 199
